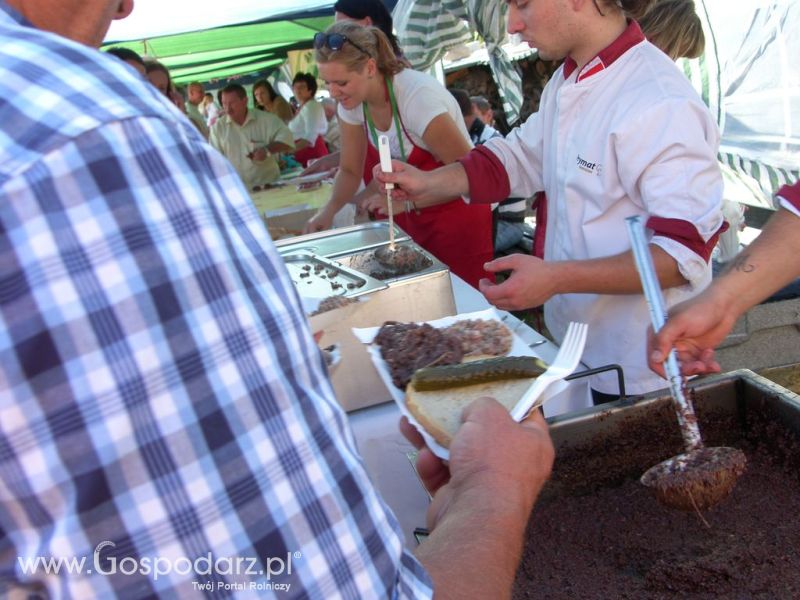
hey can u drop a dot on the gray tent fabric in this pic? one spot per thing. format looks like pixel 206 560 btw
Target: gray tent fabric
pixel 426 29
pixel 750 78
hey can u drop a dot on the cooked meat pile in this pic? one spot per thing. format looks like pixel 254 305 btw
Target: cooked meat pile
pixel 479 337
pixel 331 303
pixel 407 347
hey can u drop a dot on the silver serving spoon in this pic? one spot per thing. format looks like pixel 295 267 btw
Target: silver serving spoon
pixel 701 477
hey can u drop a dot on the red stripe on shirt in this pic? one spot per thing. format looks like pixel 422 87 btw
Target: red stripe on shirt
pixel 628 39
pixel 540 202
pixel 487 177
pixel 791 193
pixel 686 233
pixel 591 71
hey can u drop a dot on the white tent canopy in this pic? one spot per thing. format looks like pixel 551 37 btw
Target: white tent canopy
pixel 750 77
pixel 154 18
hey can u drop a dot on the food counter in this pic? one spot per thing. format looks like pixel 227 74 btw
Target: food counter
pixel 426 294
pixel 282 196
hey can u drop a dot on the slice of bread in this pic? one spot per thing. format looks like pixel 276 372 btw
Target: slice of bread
pixel 439 411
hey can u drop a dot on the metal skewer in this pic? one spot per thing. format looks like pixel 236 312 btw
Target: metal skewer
pixel 386 167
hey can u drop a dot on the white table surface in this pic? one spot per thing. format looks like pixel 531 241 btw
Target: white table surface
pixel 384 449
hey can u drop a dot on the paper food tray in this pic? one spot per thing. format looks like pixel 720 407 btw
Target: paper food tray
pixel 518 348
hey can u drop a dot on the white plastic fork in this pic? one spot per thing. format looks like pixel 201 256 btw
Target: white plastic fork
pixel 566 361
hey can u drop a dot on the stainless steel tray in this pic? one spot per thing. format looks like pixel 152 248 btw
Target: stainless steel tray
pixel 736 392
pixel 345 240
pixel 318 277
pixel 365 262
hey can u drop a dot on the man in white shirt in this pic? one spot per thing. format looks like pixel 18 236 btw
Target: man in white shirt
pixel 250 138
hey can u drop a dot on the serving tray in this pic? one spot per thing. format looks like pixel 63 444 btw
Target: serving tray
pixel 318 277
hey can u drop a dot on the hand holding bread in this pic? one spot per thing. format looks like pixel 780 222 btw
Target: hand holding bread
pixel 493 460
pixel 441 368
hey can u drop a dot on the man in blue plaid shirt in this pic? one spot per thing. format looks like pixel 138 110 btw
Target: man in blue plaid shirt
pixel 167 427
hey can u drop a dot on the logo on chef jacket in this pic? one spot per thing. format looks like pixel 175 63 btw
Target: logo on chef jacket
pixel 590 167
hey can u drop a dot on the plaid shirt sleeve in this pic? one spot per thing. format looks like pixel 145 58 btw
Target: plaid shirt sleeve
pixel 167 427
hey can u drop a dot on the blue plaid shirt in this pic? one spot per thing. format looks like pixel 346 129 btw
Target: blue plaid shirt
pixel 167 426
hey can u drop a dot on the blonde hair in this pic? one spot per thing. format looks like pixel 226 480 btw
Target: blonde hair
pixel 632 8
pixel 674 28
pixel 371 40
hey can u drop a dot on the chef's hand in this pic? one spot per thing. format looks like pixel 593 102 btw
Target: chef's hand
pixel 492 458
pixel 410 182
pixel 321 221
pixel 694 328
pixel 531 282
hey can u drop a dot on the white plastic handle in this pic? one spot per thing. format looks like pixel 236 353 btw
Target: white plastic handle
pixel 386 157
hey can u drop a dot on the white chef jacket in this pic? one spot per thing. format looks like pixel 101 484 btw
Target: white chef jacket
pixel 627 135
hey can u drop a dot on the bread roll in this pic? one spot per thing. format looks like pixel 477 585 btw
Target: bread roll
pixel 439 411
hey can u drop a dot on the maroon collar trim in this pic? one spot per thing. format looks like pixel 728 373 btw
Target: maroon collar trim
pixel 627 40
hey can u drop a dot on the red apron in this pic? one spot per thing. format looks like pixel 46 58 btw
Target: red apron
pixel 318 150
pixel 457 233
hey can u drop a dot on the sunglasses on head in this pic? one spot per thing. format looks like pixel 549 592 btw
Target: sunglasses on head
pixel 334 41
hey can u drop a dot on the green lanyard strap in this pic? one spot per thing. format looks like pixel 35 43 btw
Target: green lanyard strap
pixel 395 114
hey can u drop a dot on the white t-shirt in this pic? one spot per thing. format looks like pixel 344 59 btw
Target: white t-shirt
pixel 309 122
pixel 420 99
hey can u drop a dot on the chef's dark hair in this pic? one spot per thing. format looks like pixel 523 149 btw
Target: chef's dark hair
pixel 376 11
pixel 632 8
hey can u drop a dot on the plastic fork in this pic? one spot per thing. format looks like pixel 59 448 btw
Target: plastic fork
pixel 566 361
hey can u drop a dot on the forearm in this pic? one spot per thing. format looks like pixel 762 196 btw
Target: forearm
pixel 765 266
pixel 344 189
pixel 462 566
pixel 614 274
pixel 370 190
pixel 444 184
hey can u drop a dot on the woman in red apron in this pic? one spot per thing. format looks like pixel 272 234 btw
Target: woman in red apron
pixel 378 95
pixel 309 124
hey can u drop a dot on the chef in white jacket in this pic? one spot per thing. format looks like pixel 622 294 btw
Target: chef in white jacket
pixel 619 132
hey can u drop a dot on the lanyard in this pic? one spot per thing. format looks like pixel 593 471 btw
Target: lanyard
pixel 395 114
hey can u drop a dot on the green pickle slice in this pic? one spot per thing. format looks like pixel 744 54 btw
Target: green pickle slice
pixel 477 371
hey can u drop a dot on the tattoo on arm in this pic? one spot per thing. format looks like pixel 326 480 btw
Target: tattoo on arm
pixel 741 263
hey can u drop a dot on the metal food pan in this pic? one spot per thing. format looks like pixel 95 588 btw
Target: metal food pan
pixel 365 262
pixel 738 394
pixel 345 240
pixel 318 277
pixel 598 533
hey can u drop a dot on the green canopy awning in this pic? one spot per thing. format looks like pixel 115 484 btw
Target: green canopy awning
pixel 232 51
